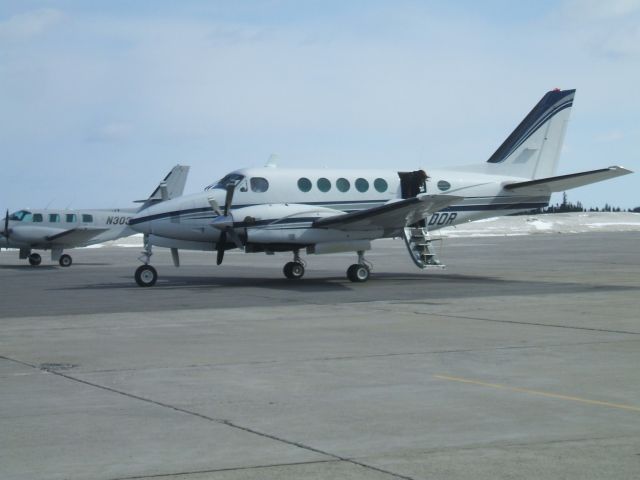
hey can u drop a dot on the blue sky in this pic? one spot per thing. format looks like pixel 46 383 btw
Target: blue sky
pixel 100 99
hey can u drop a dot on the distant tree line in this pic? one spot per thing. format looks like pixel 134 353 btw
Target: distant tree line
pixel 567 206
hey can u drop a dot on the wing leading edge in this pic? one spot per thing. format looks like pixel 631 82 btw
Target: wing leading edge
pixel 393 215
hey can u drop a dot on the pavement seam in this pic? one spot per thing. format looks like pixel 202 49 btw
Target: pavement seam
pixel 218 470
pixel 219 421
pixel 515 322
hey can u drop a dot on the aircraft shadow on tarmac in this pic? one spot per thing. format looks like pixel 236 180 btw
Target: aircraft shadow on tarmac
pixel 382 286
pixel 26 266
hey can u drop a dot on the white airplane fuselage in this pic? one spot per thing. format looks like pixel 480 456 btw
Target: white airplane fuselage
pixel 284 212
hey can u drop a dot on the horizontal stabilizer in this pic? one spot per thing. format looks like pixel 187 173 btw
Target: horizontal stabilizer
pixel 392 215
pixel 566 182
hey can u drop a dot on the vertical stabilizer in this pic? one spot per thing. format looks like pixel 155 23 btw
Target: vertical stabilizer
pixel 170 187
pixel 533 148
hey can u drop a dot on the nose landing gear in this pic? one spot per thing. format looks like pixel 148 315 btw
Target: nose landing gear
pixel 146 275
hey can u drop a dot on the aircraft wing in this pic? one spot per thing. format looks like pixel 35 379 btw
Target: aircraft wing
pixel 75 236
pixel 566 182
pixel 393 215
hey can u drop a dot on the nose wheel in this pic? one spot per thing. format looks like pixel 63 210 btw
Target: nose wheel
pixel 146 276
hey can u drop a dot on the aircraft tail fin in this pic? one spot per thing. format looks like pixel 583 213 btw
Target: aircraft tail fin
pixel 533 148
pixel 170 187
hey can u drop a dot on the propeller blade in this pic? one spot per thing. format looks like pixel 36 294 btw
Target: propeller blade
pixel 229 198
pixel 214 206
pixel 175 256
pixel 6 225
pixel 220 246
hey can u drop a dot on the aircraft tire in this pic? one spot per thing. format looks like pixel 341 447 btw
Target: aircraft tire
pixel 146 276
pixel 65 260
pixel 35 259
pixel 293 270
pixel 358 273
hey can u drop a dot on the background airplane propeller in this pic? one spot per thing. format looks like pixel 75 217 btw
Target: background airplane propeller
pixel 6 232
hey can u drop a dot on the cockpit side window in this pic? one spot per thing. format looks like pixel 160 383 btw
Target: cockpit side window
pixel 231 179
pixel 259 184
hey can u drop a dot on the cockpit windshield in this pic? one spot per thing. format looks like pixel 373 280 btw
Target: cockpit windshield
pixel 20 215
pixel 231 179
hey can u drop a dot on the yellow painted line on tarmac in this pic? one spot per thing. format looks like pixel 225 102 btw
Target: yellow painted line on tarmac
pixel 539 393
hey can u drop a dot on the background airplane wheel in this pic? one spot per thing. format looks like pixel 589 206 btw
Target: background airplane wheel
pixel 65 260
pixel 146 276
pixel 35 259
pixel 358 273
pixel 293 270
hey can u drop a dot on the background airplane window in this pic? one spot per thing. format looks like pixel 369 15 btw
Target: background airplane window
pixel 362 185
pixel 304 184
pixel 19 215
pixel 343 184
pixel 259 184
pixel 380 185
pixel 37 217
pixel 71 218
pixel 324 185
pixel 86 218
pixel 54 217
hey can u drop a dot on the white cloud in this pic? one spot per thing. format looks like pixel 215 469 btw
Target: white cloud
pixel 27 25
pixel 608 137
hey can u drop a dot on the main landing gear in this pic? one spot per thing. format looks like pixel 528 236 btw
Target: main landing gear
pixel 294 270
pixel 359 272
pixel 35 259
pixel 146 275
pixel 65 260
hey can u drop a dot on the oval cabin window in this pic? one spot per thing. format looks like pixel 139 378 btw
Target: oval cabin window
pixel 304 184
pixel 343 184
pixel 324 185
pixel 380 184
pixel 362 185
pixel 443 185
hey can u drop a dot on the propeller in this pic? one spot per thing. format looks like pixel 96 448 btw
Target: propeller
pixel 5 232
pixel 224 222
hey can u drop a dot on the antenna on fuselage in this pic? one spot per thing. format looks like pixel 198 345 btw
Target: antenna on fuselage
pixel 272 162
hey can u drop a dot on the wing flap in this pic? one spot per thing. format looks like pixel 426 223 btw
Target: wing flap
pixel 393 215
pixel 566 182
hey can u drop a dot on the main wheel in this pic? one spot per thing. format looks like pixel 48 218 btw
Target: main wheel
pixel 146 276
pixel 358 273
pixel 65 260
pixel 35 259
pixel 293 270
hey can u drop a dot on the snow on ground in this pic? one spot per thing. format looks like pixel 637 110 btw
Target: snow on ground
pixel 506 226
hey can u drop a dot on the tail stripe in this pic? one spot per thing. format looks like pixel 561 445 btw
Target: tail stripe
pixel 551 104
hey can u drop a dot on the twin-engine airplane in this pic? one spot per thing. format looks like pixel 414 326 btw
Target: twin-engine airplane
pixel 55 230
pixel 328 211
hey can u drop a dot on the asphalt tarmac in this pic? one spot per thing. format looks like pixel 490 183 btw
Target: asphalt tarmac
pixel 518 361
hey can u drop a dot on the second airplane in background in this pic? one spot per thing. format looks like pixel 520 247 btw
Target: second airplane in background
pixel 57 230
